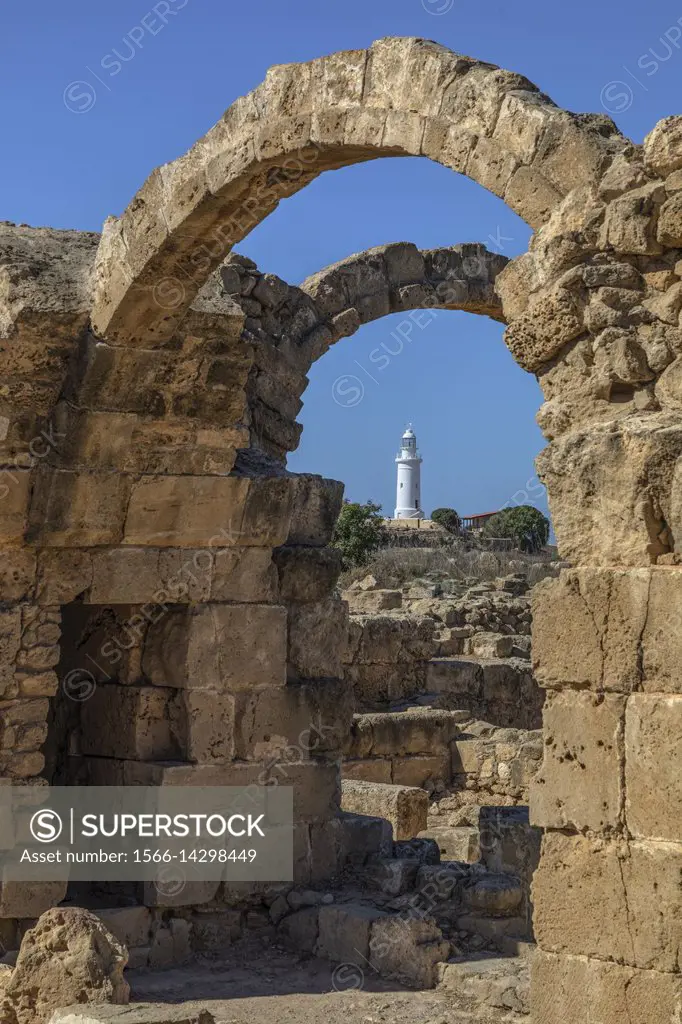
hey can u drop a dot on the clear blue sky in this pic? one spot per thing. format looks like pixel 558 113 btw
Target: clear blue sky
pixel 472 408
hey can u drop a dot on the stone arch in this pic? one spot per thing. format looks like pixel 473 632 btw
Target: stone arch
pixel 399 97
pixel 291 327
pixel 593 308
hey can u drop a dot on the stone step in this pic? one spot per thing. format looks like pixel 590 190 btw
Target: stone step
pixel 405 807
pixel 487 988
pixel 493 895
pixel 461 843
pixel 399 946
pixel 415 730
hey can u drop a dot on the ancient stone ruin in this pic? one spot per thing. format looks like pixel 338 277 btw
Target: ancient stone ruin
pixel 161 566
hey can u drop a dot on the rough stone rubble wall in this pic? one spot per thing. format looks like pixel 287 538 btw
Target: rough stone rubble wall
pixel 127 513
pixel 593 309
pixel 606 271
pixel 473 730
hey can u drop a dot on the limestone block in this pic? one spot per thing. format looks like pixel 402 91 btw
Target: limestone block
pixel 17 573
pixel 380 639
pixel 47 282
pixel 317 634
pixel 187 894
pixel 186 511
pixel 125 576
pixel 576 988
pixel 493 985
pixel 306 574
pixel 653 774
pixel 491 645
pixel 378 683
pixel 549 323
pixel 408 949
pixel 405 807
pixel 668 388
pixel 204 725
pixel 493 896
pixel 442 883
pixel 609 629
pixel 29 899
pixel 418 770
pixel 67 956
pixel 454 676
pixel 77 509
pixel 629 224
pixel 316 786
pixel 392 877
pixel 571 156
pixel 579 784
pixel 612 275
pixel 22 718
pixel 491 166
pixel 404 264
pixel 460 843
pixel 372 602
pixel 105 771
pixel 509 843
pixel 129 925
pixel 612 900
pixel 129 722
pixel 243 574
pixel 22 765
pixel 218 646
pixel 511 683
pixel 663 147
pixel 15 488
pixel 299 721
pixel 371 769
pixel 170 945
pixel 360 838
pixel 162 576
pixel 44 684
pixel 586 627
pixel 214 928
pixel 10 640
pixel 662 638
pixel 300 930
pixel 522 122
pixel 63 574
pixel 345 932
pixel 414 731
pixel 669 231
pixel 316 507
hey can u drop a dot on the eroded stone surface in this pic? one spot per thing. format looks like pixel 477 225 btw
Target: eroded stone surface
pixel 69 955
pixel 155 424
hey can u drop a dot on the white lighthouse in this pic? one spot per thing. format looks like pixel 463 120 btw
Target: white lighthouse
pixel 408 490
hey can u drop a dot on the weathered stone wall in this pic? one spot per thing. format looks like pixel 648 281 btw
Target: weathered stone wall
pixel 386 658
pixel 120 438
pixel 492 766
pixel 289 328
pixel 609 790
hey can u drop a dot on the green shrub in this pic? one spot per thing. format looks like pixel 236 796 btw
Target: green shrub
pixel 525 525
pixel 447 518
pixel 358 533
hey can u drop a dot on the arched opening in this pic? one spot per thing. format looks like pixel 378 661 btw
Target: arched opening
pixel 173 364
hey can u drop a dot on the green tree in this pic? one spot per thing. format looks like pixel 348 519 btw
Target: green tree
pixel 525 525
pixel 358 533
pixel 447 518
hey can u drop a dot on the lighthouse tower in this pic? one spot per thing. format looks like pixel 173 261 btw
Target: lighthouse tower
pixel 408 491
